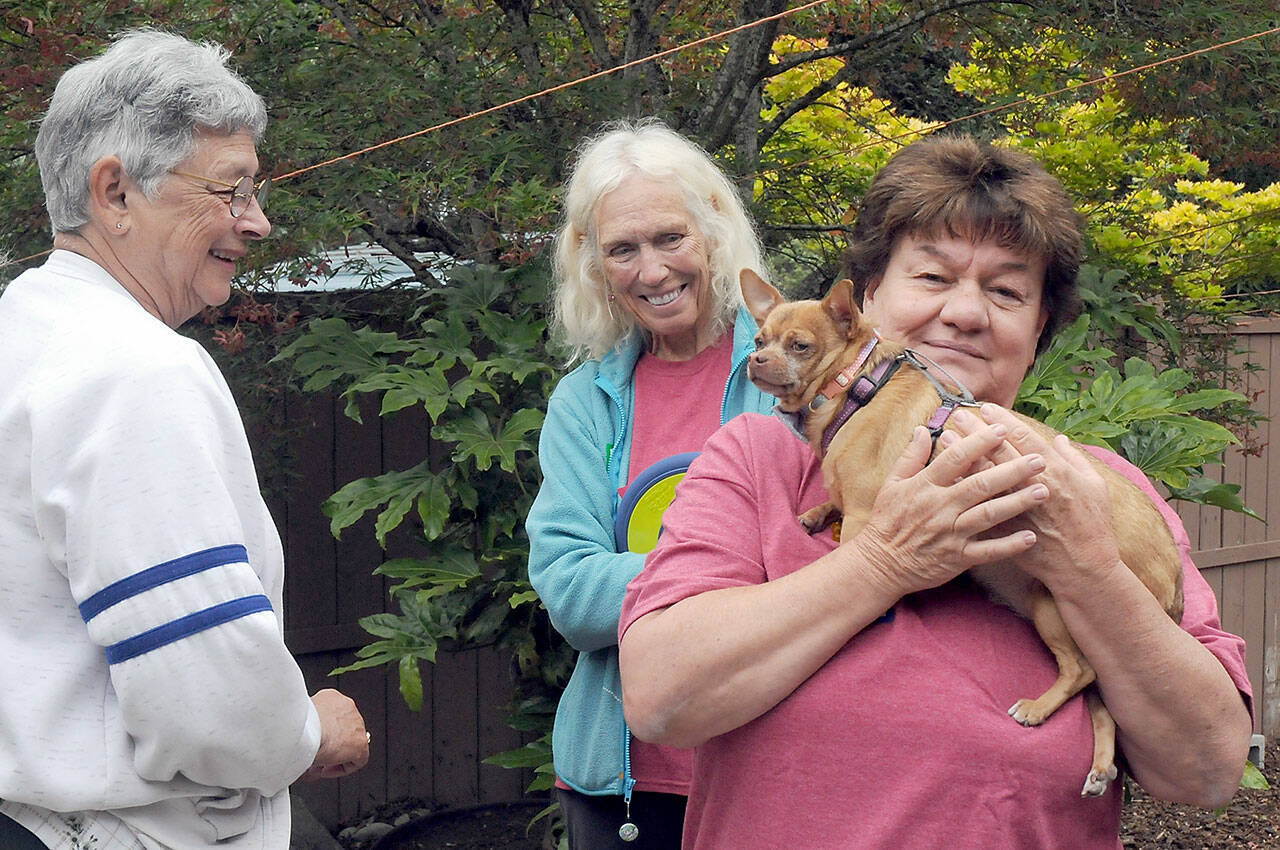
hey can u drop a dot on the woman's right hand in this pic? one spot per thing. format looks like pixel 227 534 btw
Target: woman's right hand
pixel 931 522
pixel 344 741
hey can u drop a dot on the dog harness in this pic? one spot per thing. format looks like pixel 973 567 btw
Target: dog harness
pixel 864 388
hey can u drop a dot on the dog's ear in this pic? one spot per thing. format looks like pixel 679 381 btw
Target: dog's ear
pixel 840 307
pixel 759 296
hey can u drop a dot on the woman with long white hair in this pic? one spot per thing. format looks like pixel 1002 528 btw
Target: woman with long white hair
pixel 647 294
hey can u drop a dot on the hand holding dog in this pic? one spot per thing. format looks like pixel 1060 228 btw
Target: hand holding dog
pixel 1073 526
pixel 929 522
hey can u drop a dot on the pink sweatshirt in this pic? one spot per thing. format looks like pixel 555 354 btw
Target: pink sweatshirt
pixel 902 739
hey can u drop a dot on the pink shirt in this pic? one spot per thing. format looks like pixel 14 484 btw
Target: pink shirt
pixel 902 739
pixel 677 408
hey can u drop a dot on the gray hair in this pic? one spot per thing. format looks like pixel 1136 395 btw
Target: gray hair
pixel 583 319
pixel 144 100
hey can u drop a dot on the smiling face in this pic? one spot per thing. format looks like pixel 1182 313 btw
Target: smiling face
pixel 655 261
pixel 973 307
pixel 183 244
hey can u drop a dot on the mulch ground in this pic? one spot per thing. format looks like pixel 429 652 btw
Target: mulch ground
pixel 1251 820
pixel 503 826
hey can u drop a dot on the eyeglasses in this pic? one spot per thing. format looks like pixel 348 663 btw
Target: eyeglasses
pixel 242 191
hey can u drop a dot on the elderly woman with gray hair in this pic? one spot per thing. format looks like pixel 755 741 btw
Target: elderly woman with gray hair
pixel 647 295
pixel 149 700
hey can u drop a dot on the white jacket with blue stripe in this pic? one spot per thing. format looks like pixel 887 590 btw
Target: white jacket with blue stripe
pixel 145 673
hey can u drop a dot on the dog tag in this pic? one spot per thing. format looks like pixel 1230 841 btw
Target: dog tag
pixel 628 831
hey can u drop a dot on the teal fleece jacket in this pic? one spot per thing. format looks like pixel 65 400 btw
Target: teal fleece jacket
pixel 574 565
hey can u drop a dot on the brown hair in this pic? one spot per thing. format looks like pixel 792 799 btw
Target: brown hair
pixel 963 187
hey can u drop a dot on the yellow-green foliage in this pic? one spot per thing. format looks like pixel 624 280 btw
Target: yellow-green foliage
pixel 822 159
pixel 1153 210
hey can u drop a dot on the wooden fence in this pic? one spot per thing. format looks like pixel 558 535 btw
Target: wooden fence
pixel 1240 556
pixel 436 754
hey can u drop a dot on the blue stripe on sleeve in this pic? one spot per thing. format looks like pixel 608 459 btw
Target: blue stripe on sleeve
pixel 161 574
pixel 186 627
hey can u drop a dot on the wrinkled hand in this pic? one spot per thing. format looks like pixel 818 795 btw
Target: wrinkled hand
pixel 931 523
pixel 344 742
pixel 1073 527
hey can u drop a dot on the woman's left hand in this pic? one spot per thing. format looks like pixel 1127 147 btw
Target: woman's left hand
pixel 1074 528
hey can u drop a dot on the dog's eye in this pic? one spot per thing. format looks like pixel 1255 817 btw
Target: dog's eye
pixel 759 343
pixel 799 347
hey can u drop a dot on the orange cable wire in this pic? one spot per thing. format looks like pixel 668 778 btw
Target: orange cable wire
pixel 715 36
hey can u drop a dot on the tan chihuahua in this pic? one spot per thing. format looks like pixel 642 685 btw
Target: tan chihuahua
pixel 861 398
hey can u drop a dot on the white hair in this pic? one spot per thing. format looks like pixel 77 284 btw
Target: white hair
pixel 582 319
pixel 144 100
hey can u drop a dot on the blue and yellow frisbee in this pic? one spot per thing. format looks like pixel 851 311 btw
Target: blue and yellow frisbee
pixel 639 519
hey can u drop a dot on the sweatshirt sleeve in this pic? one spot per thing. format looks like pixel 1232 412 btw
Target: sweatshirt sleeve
pixel 138 470
pixel 574 564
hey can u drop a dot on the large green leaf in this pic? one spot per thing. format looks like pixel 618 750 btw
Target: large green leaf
pixel 455 572
pixel 476 440
pixel 1206 491
pixel 402 387
pixel 330 351
pixel 399 491
pixel 1253 778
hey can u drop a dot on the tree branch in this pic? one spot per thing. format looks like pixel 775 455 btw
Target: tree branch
pixel 740 73
pixel 804 101
pixel 517 15
pixel 894 30
pixel 642 41
pixel 340 14
pixel 807 228
pixel 585 14
pixel 390 232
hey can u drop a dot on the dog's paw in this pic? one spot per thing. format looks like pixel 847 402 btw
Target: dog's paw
pixel 1027 713
pixel 1095 784
pixel 817 518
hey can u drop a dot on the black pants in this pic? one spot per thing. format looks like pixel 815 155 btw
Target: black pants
pixel 593 822
pixel 15 836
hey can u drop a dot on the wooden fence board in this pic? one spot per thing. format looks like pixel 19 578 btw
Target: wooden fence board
pixel 495 681
pixel 1253 624
pixel 1262 486
pixel 1234 469
pixel 1232 600
pixel 411 737
pixel 311 592
pixel 365 789
pixel 405 442
pixel 456 726
pixel 358 455
pixel 1267 705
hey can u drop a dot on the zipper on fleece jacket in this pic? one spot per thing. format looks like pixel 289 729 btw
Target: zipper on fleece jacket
pixel 611 468
pixel 734 368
